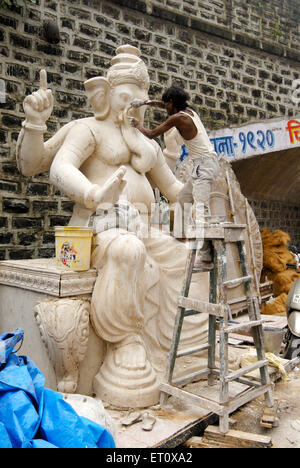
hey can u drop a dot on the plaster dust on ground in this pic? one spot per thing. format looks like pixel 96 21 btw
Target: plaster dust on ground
pixel 174 422
pixel 287 433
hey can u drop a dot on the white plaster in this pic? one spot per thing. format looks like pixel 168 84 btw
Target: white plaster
pixel 96 162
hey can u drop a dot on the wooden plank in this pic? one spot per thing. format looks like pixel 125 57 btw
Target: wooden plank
pixel 237 281
pixel 289 365
pixel 245 370
pixel 236 438
pixel 201 442
pixel 205 307
pixel 233 434
pixel 240 304
pixel 179 320
pixel 210 231
pixel 249 395
pixel 192 398
pixel 213 232
pixel 252 251
pixel 190 378
pixel 196 442
pixel 269 418
pixel 181 436
pixel 250 383
pixel 243 326
pixel 188 351
pixel 232 207
pixel 234 235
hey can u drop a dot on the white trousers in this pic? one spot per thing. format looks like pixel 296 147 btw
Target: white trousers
pixel 196 191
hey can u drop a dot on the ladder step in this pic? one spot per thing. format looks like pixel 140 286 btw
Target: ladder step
pixel 254 382
pixel 192 398
pixel 189 312
pixel 245 370
pixel 202 307
pixel 244 326
pixel 186 352
pixel 237 281
pixel 184 380
pixel 249 395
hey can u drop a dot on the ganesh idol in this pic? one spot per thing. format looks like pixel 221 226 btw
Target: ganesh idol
pixel 102 161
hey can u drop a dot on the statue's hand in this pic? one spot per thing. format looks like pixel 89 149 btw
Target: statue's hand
pixel 38 106
pixel 109 193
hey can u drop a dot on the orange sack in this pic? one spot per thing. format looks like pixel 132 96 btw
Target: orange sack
pixel 275 257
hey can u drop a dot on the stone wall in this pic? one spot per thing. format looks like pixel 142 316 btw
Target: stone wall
pixel 278 215
pixel 237 59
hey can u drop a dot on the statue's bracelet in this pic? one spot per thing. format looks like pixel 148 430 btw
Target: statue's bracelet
pixel 37 128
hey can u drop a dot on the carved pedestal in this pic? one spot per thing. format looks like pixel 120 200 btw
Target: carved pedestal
pixel 52 305
pixel 64 327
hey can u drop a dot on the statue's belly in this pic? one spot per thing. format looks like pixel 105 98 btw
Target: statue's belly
pixel 137 190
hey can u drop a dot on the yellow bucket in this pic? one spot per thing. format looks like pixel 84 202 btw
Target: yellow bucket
pixel 73 247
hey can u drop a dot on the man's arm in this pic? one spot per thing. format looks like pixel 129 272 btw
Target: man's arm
pixel 148 102
pixel 171 122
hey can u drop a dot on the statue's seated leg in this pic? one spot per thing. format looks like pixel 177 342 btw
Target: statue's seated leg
pixel 126 377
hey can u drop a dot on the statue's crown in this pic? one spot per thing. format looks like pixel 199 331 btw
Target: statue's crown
pixel 128 67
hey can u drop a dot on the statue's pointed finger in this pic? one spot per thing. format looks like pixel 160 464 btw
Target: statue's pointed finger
pixel 43 79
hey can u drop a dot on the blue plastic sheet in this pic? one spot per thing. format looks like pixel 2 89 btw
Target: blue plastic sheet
pixel 32 416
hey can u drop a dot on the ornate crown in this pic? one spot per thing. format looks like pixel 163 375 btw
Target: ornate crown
pixel 127 67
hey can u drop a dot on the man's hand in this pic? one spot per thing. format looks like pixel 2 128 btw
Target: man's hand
pixel 138 103
pixel 38 106
pixel 134 122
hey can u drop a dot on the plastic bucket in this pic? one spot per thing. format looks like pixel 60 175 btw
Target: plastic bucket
pixel 73 247
pixel 273 339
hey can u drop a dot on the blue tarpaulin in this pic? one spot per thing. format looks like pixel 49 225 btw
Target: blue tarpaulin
pixel 32 416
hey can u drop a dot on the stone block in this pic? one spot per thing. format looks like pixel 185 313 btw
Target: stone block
pixel 11 205
pixel 18 40
pixel 26 223
pixel 36 188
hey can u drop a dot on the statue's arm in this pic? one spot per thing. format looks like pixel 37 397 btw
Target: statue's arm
pixel 33 155
pixel 65 173
pixel 164 178
pixel 173 143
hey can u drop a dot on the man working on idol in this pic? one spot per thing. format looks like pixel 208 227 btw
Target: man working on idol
pixel 205 164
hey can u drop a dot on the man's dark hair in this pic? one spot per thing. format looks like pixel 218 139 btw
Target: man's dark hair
pixel 177 96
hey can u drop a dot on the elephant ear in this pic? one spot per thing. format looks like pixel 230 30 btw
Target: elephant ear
pixel 97 90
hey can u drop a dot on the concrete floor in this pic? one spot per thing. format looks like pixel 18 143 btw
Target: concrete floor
pixel 287 434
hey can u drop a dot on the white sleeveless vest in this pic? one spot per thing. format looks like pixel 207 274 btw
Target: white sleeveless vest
pixel 200 145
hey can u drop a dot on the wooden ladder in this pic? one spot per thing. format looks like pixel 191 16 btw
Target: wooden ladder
pixel 219 318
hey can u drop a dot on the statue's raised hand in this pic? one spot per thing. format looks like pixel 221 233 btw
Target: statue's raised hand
pixel 38 106
pixel 108 194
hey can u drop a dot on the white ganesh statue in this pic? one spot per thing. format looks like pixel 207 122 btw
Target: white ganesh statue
pixel 103 161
